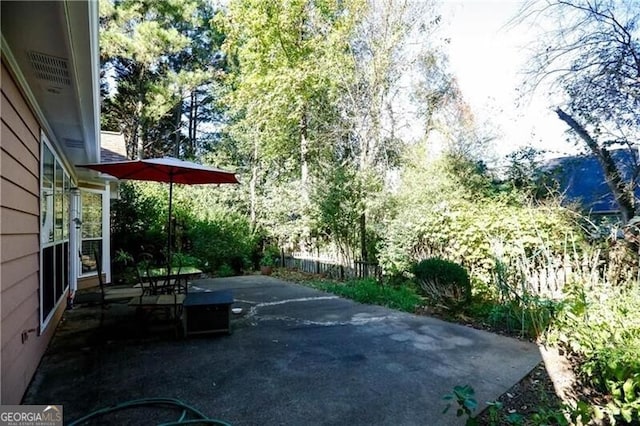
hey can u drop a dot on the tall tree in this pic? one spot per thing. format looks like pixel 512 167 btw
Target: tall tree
pixel 388 42
pixel 158 56
pixel 286 56
pixel 593 55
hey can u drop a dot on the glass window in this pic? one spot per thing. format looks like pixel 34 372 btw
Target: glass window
pixel 54 232
pixel 91 230
pixel 46 200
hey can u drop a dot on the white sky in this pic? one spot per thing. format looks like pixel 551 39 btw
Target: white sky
pixel 488 59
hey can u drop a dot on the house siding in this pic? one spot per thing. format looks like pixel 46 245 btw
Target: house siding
pixel 20 244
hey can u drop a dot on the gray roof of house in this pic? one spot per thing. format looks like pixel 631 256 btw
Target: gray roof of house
pixel 582 180
pixel 112 147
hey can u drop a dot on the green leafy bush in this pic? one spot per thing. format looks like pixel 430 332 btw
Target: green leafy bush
pixel 225 271
pixel 459 216
pixel 225 237
pixel 601 324
pixel 529 316
pixel 369 291
pixel 136 220
pixel 443 282
pixel 270 256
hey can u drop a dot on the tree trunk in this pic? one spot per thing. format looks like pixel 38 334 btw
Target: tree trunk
pixel 194 134
pixel 363 238
pixel 304 161
pixel 252 184
pixel 137 133
pixel 178 122
pixel 623 195
pixel 192 121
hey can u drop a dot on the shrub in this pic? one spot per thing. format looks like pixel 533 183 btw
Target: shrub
pixel 530 316
pixel 225 271
pixel 443 281
pixel 600 323
pixel 270 256
pixel 460 218
pixel 223 238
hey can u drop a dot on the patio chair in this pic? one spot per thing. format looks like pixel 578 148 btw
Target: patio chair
pixel 107 293
pixel 169 283
pixel 176 284
pixel 143 267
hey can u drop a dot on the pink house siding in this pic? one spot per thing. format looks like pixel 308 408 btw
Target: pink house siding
pixel 22 344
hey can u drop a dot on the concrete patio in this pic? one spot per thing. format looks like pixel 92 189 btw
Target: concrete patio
pixel 296 356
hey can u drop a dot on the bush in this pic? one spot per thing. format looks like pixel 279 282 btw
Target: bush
pixel 270 256
pixel 443 282
pixel 601 324
pixel 225 271
pixel 136 220
pixel 223 238
pixel 459 220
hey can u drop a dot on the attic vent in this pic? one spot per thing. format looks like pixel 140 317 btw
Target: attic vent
pixel 73 143
pixel 50 68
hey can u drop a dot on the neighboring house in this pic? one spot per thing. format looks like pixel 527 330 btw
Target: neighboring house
pixel 581 180
pixel 53 213
pixel 112 146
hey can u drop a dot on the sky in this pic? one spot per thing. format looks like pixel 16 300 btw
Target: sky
pixel 488 58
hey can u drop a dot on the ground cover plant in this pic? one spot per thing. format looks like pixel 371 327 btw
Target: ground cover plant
pixel 368 290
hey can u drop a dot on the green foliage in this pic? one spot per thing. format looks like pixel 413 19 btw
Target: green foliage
pixel 602 325
pixel 340 205
pixel 136 219
pixel 207 235
pixel 267 261
pixel 183 259
pixel 370 291
pixel 288 58
pixel 530 316
pixel 161 59
pixel 464 397
pixel 443 281
pixel 225 237
pixel 461 223
pixel 225 271
pixel 270 256
pixel 123 257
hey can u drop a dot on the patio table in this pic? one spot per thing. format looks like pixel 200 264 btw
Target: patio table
pixel 187 271
pixel 163 275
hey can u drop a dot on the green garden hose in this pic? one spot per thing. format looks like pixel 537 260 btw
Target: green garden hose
pixel 198 416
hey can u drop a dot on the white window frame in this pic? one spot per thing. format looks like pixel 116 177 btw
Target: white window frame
pixel 105 222
pixel 44 321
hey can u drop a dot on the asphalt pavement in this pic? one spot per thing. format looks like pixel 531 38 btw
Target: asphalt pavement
pixel 296 356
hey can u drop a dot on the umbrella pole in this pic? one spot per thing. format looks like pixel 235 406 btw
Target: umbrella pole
pixel 169 230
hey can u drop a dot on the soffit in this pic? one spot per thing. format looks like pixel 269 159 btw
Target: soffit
pixel 54 45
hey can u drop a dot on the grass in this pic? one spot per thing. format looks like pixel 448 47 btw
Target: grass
pixel 402 298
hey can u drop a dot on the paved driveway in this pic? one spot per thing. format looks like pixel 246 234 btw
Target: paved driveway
pixel 297 356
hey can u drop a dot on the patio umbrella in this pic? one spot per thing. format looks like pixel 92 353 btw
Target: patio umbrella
pixel 166 169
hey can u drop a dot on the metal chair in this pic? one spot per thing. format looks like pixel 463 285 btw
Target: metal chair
pixel 107 293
